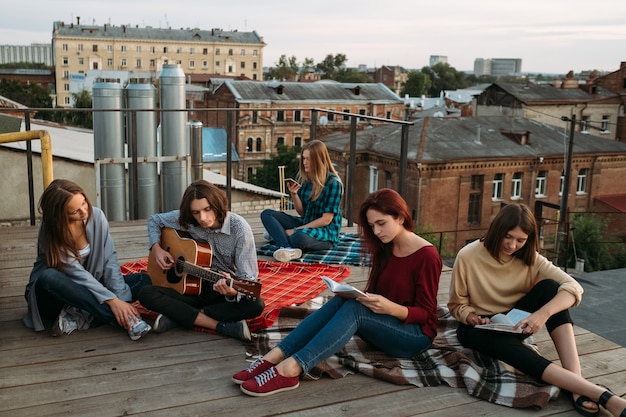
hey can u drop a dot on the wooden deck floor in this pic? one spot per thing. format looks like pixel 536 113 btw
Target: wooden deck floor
pixel 100 372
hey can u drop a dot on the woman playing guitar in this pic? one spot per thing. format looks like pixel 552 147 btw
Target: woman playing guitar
pixel 228 245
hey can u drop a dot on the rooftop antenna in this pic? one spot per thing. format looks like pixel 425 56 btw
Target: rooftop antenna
pixel 167 23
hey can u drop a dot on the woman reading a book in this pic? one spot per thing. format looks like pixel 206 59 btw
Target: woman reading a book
pixel 504 270
pixel 397 315
pixel 204 215
pixel 316 200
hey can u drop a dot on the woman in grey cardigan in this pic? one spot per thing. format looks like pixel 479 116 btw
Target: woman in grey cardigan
pixel 76 277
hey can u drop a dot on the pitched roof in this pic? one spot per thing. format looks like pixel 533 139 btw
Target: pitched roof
pixel 474 138
pixel 547 93
pixel 316 92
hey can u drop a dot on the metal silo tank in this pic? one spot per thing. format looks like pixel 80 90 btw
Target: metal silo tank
pixel 108 136
pixel 141 94
pixel 174 175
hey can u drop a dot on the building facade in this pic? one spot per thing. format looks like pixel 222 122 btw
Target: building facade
pixel 497 67
pixel 79 48
pixel 36 53
pixel 461 170
pixel 616 83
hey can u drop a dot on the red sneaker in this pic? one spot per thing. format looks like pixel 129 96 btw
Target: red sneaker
pixel 260 365
pixel 269 382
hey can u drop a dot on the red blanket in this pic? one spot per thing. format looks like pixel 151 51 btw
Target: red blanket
pixel 283 284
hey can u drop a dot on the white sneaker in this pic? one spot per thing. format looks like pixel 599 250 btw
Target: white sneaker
pixel 139 328
pixel 287 254
pixel 64 324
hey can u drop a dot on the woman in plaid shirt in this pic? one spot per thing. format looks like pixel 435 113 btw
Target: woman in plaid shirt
pixel 317 199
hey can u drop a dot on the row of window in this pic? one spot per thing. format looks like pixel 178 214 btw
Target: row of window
pixel 585 124
pixel 540 184
pixel 257 146
pixel 152 63
pixel 166 49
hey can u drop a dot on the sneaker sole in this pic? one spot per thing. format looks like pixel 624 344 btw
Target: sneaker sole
pixel 265 394
pixel 286 256
pixel 135 337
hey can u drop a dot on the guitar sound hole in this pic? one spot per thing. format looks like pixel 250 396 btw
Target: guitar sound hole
pixel 175 274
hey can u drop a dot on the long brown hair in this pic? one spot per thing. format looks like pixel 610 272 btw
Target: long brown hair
pixel 386 201
pixel 198 190
pixel 320 166
pixel 57 237
pixel 507 219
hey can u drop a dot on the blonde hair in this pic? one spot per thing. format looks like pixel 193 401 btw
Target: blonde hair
pixel 320 166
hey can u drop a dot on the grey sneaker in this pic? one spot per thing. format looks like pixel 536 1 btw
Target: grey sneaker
pixel 287 254
pixel 235 329
pixel 163 324
pixel 267 236
pixel 64 324
pixel 139 328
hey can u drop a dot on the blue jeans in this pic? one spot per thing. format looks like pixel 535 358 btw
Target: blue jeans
pixel 327 330
pixel 277 222
pixel 55 290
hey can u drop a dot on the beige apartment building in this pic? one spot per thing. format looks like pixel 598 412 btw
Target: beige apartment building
pixel 79 48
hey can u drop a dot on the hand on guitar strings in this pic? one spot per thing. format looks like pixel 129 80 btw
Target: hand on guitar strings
pixel 224 286
pixel 163 258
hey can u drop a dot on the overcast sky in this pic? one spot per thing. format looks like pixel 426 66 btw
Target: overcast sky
pixel 550 36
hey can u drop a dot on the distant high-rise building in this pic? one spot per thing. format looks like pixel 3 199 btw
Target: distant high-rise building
pixel 435 59
pixel 497 66
pixel 36 53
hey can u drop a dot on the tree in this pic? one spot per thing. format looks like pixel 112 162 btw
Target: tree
pixel 331 65
pixel 416 84
pixel 286 69
pixel 82 100
pixel 351 75
pixel 592 242
pixel 444 77
pixel 31 95
pixel 267 175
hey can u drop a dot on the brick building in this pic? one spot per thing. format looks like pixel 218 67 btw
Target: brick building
pixel 272 112
pixel 465 168
pixel 616 82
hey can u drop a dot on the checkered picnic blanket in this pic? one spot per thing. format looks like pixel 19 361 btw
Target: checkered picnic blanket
pixel 283 284
pixel 346 252
pixel 445 362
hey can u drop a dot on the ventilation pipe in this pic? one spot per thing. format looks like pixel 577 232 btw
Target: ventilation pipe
pixel 142 143
pixel 108 136
pixel 195 138
pixel 173 134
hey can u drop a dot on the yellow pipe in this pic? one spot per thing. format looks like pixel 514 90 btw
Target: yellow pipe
pixel 46 149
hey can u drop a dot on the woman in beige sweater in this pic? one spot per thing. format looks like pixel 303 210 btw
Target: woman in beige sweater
pixel 504 270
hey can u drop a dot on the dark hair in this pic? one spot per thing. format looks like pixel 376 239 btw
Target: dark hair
pixel 57 236
pixel 388 202
pixel 198 190
pixel 507 219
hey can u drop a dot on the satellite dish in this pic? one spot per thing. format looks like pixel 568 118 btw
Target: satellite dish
pixel 323 120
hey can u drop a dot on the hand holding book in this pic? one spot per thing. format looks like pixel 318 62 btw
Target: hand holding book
pixel 505 322
pixel 343 290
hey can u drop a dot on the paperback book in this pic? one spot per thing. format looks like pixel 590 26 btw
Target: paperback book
pixel 343 290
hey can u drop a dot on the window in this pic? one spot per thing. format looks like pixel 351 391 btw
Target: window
pixel 280 140
pixel 345 117
pixel 562 183
pixel 242 52
pixel 388 179
pixel 81 61
pixel 94 48
pixel 179 50
pixel 475 199
pixel 259 142
pixel 192 51
pixel 498 180
pixel 604 128
pixel 217 64
pixel 256 53
pixel 152 63
pixel 331 116
pixel 217 51
pixel 192 64
pixel 80 47
pixel 66 87
pixel 123 48
pixel 138 49
pixel 297 141
pixel 297 115
pixel 66 75
pixel 242 65
pixel 373 179
pixel 516 190
pixel 64 47
pixel 255 116
pixel 230 52
pixel 123 63
pixel 231 69
pixel 540 186
pixel 138 63
pixel 581 184
pixel 66 100
pixel 254 65
pixel 109 48
pixel 205 64
pixel 205 51
pixel 584 124
pixel 280 116
pixel 153 50
pixel 94 65
pixel 65 60
pixel 165 49
pixel 249 146
pixel 250 173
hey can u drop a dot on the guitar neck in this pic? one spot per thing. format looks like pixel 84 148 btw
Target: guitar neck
pixel 202 273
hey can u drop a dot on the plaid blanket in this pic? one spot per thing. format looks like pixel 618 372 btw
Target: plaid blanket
pixel 346 252
pixel 283 284
pixel 445 362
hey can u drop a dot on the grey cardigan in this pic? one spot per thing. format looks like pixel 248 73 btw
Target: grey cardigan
pixel 100 272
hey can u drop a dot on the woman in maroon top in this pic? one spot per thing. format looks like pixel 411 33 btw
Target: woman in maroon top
pixel 398 314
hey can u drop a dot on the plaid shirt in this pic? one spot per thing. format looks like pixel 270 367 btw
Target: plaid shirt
pixel 329 201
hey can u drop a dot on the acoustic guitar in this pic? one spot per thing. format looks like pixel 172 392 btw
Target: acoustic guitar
pixel 192 262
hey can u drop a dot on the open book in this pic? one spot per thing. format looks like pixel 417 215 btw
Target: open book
pixel 505 322
pixel 343 290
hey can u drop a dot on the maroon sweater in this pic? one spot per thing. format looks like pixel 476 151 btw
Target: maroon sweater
pixel 413 281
